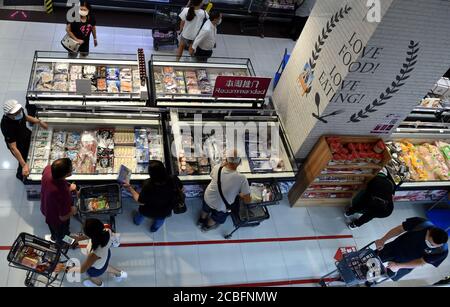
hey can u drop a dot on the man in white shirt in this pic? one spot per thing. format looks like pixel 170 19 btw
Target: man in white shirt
pixel 204 43
pixel 214 211
pixel 302 12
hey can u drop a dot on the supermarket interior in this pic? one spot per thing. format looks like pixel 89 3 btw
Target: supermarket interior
pixel 326 120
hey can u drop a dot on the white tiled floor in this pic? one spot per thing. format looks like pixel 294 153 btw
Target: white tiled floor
pixel 184 265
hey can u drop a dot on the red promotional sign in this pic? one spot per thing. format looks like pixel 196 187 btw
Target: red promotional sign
pixel 241 87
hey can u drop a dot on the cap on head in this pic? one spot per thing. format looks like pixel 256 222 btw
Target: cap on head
pixel 11 106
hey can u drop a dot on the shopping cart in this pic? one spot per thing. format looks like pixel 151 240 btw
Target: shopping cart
pixel 362 267
pixel 165 23
pixel 40 259
pixel 103 202
pixel 251 215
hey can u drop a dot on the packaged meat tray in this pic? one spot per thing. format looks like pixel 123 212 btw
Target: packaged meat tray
pixel 168 70
pixel 113 86
pixel 202 75
pixel 105 138
pixel 191 82
pixel 190 74
pixel 124 137
pixel 125 151
pixel 128 162
pixel 125 74
pixel 60 86
pixel 112 73
pixel 126 86
pixel 89 70
pixel 60 78
pixel 61 68
pixel 76 69
pixel 105 164
pixel 101 85
pixel 194 90
pixel 73 140
pixel 101 72
pixel 141 138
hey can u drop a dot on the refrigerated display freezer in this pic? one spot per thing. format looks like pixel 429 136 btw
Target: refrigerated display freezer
pixel 199 145
pixel 186 83
pixel 116 80
pixel 97 143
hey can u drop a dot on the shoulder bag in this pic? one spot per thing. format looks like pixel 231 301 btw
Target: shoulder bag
pixel 70 44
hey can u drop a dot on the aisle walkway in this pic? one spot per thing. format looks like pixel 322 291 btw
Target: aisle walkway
pixel 295 247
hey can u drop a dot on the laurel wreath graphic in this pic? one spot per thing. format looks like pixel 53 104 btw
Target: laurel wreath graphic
pixel 405 73
pixel 331 24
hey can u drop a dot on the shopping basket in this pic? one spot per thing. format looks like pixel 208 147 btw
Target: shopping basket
pixel 91 203
pixel 362 267
pixel 39 258
pixel 251 215
pixel 165 23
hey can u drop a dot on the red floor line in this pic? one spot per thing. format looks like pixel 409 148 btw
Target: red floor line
pixel 278 283
pixel 211 242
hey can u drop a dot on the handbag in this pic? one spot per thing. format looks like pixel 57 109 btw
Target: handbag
pixel 179 205
pixel 70 44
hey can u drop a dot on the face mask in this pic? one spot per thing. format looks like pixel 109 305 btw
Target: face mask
pixel 428 243
pixel 219 22
pixel 18 116
pixel 84 13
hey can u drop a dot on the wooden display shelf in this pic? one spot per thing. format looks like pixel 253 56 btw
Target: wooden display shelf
pixel 318 160
pixel 325 202
pixel 349 166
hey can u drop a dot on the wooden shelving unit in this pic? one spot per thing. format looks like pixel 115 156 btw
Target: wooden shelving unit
pixel 321 159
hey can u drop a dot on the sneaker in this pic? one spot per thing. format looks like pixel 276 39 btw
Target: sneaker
pixel 137 218
pixel 352 226
pixel 346 214
pixel 88 283
pixel 49 238
pixel 206 228
pixel 123 275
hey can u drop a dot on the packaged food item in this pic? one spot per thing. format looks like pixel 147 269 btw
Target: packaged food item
pixel 141 138
pixel 105 164
pixel 190 74
pixel 128 162
pixel 76 69
pixel 101 85
pixel 194 90
pixel 105 138
pixel 124 137
pixel 167 70
pixel 73 140
pixel 39 165
pixel 112 73
pixel 89 70
pixel 125 74
pixel 113 86
pixel 125 151
pixel 101 72
pixel 60 86
pixel 202 75
pixel 62 68
pixel 126 86
pixel 97 204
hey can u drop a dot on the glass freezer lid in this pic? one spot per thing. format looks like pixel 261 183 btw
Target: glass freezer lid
pixel 96 147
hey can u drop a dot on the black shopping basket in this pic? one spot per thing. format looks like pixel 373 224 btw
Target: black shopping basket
pixel 111 193
pixel 362 267
pixel 251 215
pixel 39 258
pixel 164 32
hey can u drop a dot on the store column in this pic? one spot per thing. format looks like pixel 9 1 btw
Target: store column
pixel 359 65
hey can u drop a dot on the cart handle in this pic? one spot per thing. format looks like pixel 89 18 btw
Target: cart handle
pixel 367 246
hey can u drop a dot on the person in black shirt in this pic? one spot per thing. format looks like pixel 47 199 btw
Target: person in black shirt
pixel 417 243
pixel 158 195
pixel 81 31
pixel 375 201
pixel 17 135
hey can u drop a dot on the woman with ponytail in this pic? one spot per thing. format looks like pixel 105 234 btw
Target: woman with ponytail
pixel 192 19
pixel 99 254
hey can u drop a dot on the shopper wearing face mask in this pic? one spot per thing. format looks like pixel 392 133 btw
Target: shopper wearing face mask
pixel 226 184
pixel 81 31
pixel 17 135
pixel 192 20
pixel 417 243
pixel 205 42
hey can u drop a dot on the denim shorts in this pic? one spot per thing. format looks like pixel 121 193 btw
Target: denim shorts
pixel 93 272
pixel 186 41
pixel 217 216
